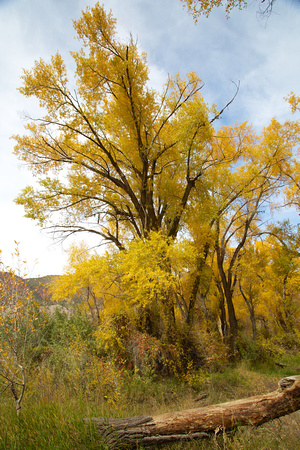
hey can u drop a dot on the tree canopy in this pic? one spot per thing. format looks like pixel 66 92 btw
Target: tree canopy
pixel 115 157
pixel 148 172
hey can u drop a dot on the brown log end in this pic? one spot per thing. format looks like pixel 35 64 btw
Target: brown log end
pixel 289 382
pixel 125 433
pixel 121 433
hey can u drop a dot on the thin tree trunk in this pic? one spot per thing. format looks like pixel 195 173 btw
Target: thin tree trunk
pixel 286 305
pixel 202 422
pixel 18 388
pixel 250 306
pixel 222 310
pixel 228 282
pixel 201 261
pixel 233 325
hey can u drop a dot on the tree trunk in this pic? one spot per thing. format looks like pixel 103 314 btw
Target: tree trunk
pixel 202 422
pixel 201 262
pixel 233 324
pixel 250 306
pixel 227 282
pixel 222 310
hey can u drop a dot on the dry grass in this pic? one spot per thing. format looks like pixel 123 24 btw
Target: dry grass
pixel 52 415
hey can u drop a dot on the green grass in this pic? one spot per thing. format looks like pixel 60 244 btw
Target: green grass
pixel 52 414
pixel 55 424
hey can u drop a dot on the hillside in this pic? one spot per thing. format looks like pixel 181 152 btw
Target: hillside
pixel 40 287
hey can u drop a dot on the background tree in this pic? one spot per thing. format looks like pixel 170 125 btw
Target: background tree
pixel 283 248
pixel 139 300
pixel 17 316
pixel 251 275
pixel 240 203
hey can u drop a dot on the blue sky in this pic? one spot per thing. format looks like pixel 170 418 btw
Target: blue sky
pixel 263 57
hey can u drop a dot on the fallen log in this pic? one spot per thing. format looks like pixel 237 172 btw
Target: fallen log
pixel 201 422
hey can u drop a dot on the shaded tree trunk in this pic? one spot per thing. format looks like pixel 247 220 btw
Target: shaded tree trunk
pixel 202 422
pixel 250 306
pixel 222 310
pixel 287 307
pixel 227 284
pixel 196 285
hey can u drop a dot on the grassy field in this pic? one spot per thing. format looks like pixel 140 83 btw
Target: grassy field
pixel 52 414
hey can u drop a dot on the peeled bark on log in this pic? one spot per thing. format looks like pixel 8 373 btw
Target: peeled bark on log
pixel 201 422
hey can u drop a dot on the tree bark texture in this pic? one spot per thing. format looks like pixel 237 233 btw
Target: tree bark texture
pixel 201 422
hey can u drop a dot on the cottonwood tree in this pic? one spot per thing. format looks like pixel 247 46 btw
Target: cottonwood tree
pixel 283 248
pixel 242 202
pixel 114 158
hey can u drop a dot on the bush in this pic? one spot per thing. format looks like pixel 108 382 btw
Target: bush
pixel 252 351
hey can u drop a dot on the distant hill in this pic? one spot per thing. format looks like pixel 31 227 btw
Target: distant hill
pixel 41 287
pixel 41 290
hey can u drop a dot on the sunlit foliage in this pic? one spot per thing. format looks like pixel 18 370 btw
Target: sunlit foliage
pixel 183 205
